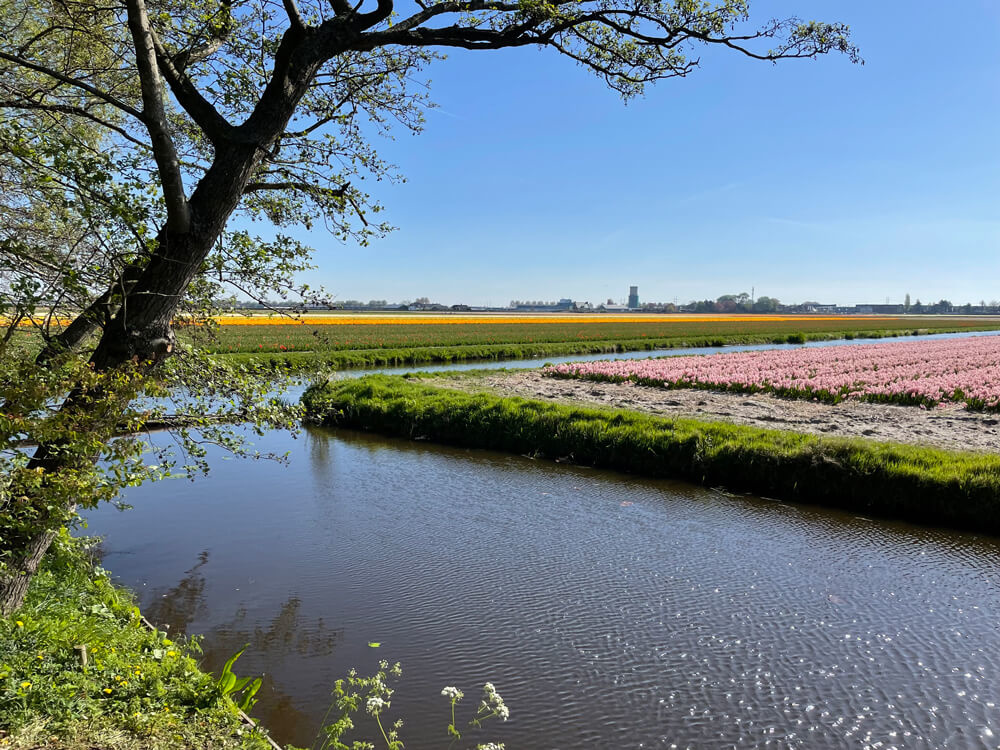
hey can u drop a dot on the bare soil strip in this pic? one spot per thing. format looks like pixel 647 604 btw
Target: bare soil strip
pixel 951 427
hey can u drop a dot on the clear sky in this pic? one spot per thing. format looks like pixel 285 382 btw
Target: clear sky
pixel 804 180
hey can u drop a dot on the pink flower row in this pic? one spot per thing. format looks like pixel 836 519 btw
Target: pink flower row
pixel 915 372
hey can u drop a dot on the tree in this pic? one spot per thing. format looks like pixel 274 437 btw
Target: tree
pixel 203 109
pixel 906 303
pixel 766 304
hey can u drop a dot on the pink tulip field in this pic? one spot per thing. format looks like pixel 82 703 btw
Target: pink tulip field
pixel 926 373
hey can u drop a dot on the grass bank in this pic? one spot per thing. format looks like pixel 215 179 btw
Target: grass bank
pixel 340 359
pixel 133 688
pixel 912 483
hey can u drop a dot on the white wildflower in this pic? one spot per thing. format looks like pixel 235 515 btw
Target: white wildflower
pixel 490 746
pixel 493 702
pixel 376 705
pixel 452 693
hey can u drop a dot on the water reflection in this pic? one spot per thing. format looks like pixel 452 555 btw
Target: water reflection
pixel 178 606
pixel 271 647
pixel 610 611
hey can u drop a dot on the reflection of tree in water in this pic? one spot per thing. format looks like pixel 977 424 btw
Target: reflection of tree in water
pixel 286 644
pixel 272 647
pixel 179 606
pixel 286 635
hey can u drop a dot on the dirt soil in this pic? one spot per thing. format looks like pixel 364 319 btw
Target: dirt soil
pixel 951 427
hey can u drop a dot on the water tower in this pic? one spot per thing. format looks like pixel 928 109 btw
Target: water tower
pixel 633 298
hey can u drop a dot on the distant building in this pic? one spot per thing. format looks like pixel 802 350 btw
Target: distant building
pixel 879 309
pixel 816 307
pixel 633 298
pixel 561 306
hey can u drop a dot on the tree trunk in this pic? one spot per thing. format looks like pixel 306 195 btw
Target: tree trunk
pixel 14 586
pixel 100 310
pixel 139 333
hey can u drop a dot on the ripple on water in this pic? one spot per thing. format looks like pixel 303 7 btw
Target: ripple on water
pixel 610 611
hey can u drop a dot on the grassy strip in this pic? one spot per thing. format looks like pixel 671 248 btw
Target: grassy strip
pixel 313 361
pixel 899 481
pixel 138 690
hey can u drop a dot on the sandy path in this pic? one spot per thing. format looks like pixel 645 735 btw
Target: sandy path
pixel 949 427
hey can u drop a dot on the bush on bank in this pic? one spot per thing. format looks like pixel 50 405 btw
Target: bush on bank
pixel 138 689
pixel 913 483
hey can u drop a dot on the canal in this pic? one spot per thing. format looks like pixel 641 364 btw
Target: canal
pixel 608 610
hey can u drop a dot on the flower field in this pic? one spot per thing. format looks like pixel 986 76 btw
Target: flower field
pixel 926 373
pixel 266 334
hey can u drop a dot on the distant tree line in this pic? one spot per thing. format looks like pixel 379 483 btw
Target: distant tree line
pixel 735 303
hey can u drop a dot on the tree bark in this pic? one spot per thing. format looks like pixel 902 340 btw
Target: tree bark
pixel 100 310
pixel 14 585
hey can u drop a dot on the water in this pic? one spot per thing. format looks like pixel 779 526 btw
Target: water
pixel 527 364
pixel 610 611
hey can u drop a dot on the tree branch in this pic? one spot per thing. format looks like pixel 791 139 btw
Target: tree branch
pixel 102 95
pixel 206 116
pixel 294 16
pixel 363 21
pixel 305 187
pixel 451 6
pixel 70 110
pixel 178 210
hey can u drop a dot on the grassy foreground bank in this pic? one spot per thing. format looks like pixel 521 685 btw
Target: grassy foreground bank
pixel 905 482
pixel 137 689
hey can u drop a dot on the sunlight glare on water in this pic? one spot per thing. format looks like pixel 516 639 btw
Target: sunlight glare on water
pixel 610 611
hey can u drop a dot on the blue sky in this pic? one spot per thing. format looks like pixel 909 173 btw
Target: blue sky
pixel 805 180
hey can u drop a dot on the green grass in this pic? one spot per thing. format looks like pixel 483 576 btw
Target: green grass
pixel 912 483
pixel 138 690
